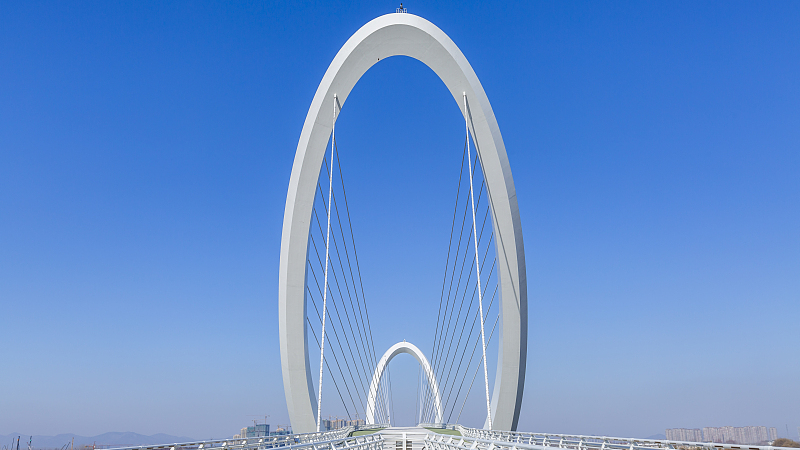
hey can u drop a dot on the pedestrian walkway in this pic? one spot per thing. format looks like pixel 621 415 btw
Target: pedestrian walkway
pixel 404 438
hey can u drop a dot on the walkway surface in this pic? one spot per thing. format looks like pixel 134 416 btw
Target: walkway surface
pixel 414 438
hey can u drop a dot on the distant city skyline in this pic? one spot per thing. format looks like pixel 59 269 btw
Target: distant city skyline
pixel 739 435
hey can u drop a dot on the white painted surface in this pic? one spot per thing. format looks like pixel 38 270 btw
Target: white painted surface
pixel 396 349
pixel 383 37
pixel 415 435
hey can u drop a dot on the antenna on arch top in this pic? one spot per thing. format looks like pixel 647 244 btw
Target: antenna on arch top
pixel 401 9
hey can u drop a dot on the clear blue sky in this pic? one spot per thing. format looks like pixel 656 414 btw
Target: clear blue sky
pixel 146 147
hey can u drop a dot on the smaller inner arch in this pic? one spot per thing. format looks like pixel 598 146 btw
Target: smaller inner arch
pixel 396 349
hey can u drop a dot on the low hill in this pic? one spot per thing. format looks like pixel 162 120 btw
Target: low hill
pixel 116 439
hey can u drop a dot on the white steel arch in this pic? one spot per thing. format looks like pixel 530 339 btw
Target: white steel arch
pixel 413 36
pixel 396 349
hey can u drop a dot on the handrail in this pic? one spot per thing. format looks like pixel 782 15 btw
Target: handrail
pixel 444 426
pixel 372 426
pixel 583 442
pixel 253 443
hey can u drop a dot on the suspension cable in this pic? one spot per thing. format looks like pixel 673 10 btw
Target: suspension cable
pixel 447 262
pixel 360 326
pixel 361 333
pixel 464 352
pixel 444 347
pixel 357 380
pixel 437 355
pixel 478 270
pixel 416 405
pixel 325 292
pixel 335 384
pixel 463 301
pixel 469 336
pixel 391 397
pixel 365 317
pixel 439 343
pixel 335 337
pixel 476 373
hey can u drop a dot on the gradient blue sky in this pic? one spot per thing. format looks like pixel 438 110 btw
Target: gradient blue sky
pixel 146 147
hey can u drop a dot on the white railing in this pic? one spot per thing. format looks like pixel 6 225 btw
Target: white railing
pixel 519 440
pixel 331 439
pixel 374 426
pixel 444 426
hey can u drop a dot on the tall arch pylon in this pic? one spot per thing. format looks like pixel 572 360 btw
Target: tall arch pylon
pixel 407 35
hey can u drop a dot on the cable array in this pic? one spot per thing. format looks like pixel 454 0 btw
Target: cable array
pixel 338 318
pixel 349 351
pixel 457 346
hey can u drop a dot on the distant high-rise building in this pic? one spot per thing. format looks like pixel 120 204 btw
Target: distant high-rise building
pixel 281 430
pixel 259 430
pixel 336 423
pixel 736 435
pixel 684 434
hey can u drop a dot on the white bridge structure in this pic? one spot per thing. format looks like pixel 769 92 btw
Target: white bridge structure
pixel 430 378
pixel 432 437
pixel 320 287
pixel 321 291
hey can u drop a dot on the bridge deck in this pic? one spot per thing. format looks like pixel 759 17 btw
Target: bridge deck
pixel 394 438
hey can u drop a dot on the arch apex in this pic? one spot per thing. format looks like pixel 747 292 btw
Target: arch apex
pixel 396 349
